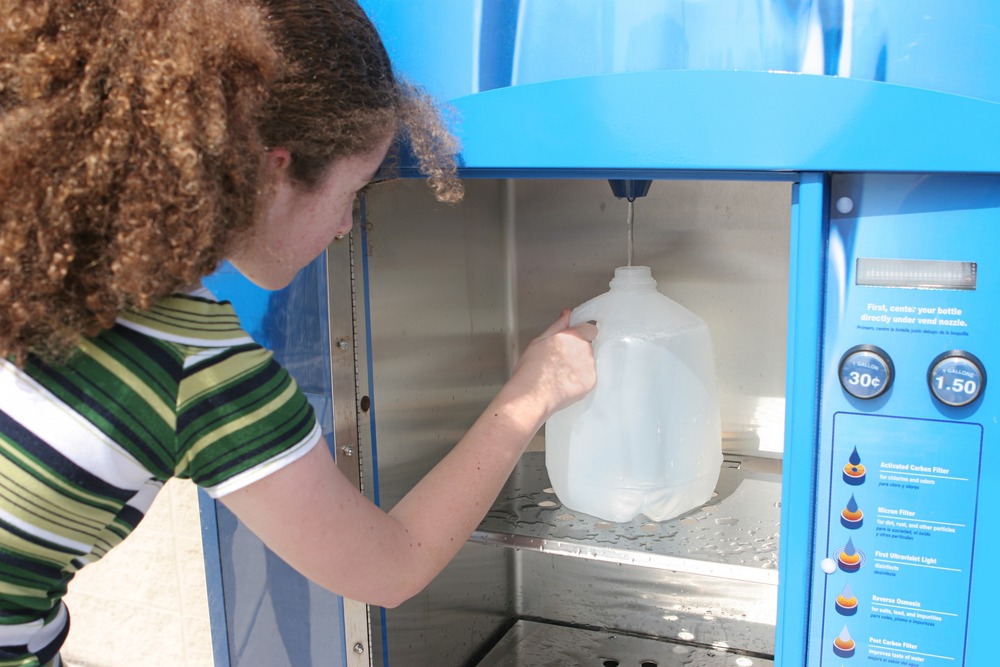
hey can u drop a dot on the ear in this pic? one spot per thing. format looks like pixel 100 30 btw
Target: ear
pixel 278 159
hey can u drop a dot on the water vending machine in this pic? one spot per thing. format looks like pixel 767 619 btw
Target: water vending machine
pixel 819 181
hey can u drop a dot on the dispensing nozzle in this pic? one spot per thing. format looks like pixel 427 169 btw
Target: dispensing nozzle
pixel 629 189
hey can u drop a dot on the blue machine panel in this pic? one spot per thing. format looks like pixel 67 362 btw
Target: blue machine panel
pixel 263 611
pixel 906 469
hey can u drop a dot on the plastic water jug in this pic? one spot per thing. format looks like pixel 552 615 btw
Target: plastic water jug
pixel 647 439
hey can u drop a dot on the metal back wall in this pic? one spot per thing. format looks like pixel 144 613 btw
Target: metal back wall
pixel 719 248
pixel 437 298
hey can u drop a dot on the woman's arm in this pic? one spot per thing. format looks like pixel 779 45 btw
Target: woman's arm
pixel 316 520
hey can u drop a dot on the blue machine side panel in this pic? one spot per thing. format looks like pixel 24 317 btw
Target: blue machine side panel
pixel 907 483
pixel 264 612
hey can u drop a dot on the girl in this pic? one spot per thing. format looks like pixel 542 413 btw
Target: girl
pixel 143 142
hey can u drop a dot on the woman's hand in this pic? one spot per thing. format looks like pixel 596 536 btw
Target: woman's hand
pixel 557 368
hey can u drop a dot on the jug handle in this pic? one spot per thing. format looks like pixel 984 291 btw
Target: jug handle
pixel 583 313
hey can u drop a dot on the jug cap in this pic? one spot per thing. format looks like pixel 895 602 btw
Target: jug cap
pixel 633 276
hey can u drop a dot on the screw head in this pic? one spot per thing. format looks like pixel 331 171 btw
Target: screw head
pixel 845 205
pixel 359 648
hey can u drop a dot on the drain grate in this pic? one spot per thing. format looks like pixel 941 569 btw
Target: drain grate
pixel 535 644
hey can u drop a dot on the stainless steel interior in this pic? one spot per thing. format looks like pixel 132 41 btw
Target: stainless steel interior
pixel 454 293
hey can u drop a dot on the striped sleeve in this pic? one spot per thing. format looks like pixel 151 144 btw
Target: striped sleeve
pixel 240 418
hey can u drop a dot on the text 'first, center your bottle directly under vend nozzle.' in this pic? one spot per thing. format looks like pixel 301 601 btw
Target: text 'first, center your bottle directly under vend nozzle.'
pixel 647 440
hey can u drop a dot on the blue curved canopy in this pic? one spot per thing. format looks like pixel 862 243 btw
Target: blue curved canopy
pixel 723 121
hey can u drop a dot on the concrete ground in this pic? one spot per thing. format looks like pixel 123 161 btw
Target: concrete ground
pixel 145 603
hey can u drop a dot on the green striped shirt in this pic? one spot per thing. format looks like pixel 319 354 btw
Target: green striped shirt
pixel 177 391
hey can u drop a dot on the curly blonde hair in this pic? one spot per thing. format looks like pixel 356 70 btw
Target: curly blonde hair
pixel 133 136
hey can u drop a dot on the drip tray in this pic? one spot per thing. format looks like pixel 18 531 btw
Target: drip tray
pixel 734 535
pixel 534 644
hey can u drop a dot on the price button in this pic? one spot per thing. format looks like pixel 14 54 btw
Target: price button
pixel 866 371
pixel 956 378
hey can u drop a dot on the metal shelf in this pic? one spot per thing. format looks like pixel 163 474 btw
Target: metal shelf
pixel 733 536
